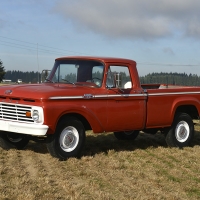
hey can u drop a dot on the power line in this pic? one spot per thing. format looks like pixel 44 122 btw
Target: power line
pixel 25 47
pixel 57 51
pixel 170 65
pixel 48 47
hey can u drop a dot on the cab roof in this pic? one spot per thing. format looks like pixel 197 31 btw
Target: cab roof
pixel 100 59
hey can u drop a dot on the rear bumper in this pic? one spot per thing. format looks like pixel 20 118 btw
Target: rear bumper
pixel 29 129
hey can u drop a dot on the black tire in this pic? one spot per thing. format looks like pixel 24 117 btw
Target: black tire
pixel 181 132
pixel 13 140
pixel 126 135
pixel 68 140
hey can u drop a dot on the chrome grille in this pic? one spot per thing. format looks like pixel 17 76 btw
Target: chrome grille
pixel 15 112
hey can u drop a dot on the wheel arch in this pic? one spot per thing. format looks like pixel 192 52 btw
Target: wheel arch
pixel 80 117
pixel 89 122
pixel 183 105
pixel 189 109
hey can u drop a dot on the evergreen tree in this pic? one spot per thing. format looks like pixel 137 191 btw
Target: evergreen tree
pixel 2 71
pixel 171 78
pixel 153 78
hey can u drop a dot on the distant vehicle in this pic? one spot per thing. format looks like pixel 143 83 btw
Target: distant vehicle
pixel 19 81
pixel 6 81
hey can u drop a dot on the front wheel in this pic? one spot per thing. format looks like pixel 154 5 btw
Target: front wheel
pixel 13 140
pixel 181 132
pixel 68 140
pixel 126 135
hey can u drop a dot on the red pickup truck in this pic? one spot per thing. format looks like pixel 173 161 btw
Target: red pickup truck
pixel 99 94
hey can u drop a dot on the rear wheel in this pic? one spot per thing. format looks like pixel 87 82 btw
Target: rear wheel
pixel 13 140
pixel 181 132
pixel 68 140
pixel 126 135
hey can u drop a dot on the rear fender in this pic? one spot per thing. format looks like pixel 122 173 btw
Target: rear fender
pixel 184 101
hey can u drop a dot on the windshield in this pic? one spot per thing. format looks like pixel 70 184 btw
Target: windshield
pixel 77 72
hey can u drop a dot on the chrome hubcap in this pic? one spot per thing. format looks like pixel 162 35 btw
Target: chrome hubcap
pixel 69 139
pixel 182 131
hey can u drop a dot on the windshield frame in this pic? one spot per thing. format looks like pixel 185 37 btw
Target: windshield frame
pixel 84 75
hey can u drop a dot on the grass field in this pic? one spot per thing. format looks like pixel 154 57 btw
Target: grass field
pixel 109 169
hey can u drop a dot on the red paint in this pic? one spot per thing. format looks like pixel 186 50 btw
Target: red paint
pixel 106 109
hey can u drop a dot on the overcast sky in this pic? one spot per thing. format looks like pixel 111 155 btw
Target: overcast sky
pixel 160 35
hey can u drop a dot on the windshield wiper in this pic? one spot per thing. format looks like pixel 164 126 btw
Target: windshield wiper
pixel 68 81
pixel 46 79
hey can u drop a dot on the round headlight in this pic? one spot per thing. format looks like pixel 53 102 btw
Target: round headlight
pixel 35 115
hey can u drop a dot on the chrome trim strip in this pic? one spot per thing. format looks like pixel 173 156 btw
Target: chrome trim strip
pixel 101 96
pixel 122 95
pixel 98 96
pixel 66 97
pixel 172 93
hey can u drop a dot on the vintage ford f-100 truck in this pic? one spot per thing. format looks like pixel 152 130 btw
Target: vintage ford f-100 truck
pixel 99 94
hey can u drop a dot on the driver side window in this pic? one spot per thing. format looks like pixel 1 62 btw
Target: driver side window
pixel 123 71
pixel 97 75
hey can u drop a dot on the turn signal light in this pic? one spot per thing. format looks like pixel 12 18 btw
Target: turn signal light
pixel 28 114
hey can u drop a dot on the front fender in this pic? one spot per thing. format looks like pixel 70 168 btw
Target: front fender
pixel 83 110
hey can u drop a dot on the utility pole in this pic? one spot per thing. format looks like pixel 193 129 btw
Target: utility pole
pixel 38 64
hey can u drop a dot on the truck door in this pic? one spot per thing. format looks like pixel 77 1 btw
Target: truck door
pixel 126 104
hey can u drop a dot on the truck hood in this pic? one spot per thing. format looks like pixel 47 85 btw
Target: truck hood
pixel 43 91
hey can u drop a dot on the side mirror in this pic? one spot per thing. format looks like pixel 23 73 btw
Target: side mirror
pixel 118 80
pixel 45 74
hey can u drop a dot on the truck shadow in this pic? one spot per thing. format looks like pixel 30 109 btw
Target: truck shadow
pixel 37 147
pixel 102 143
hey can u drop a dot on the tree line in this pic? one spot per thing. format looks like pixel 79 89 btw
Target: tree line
pixel 27 77
pixel 151 78
pixel 171 78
